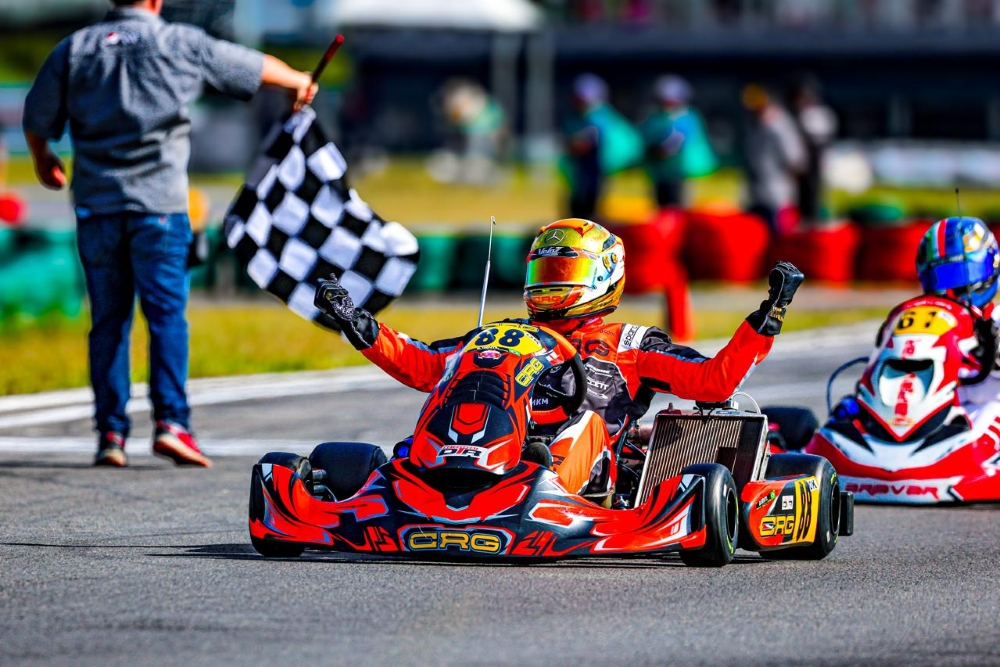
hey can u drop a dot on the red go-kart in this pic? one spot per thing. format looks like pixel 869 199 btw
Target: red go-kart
pixel 702 484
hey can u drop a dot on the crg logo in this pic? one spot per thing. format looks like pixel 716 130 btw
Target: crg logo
pixel 482 541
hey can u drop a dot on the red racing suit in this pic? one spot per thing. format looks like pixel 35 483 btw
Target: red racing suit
pixel 625 364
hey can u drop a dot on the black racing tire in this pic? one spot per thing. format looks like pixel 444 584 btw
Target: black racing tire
pixel 796 425
pixel 301 467
pixel 722 517
pixel 828 521
pixel 348 465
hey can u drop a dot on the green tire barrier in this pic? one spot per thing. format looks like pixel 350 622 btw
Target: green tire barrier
pixel 8 239
pixel 507 265
pixel 437 262
pixel 41 281
pixel 206 275
pixel 879 213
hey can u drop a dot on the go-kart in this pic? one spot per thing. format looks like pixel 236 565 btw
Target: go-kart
pixel 902 436
pixel 462 489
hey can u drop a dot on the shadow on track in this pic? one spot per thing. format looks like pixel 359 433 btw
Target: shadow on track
pixel 245 552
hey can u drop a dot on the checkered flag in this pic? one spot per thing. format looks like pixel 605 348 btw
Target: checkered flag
pixel 296 221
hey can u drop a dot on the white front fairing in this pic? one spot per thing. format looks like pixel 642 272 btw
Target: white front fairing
pixel 892 457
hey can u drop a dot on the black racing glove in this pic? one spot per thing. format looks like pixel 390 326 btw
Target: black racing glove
pixel 986 353
pixel 783 280
pixel 357 324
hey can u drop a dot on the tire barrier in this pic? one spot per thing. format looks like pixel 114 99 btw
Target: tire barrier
pixel 39 275
pixel 438 255
pixel 13 210
pixel 726 246
pixel 825 254
pixel 889 253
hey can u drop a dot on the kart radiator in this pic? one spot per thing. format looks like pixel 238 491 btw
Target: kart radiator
pixel 737 440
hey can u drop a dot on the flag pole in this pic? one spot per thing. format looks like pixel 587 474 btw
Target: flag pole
pixel 331 51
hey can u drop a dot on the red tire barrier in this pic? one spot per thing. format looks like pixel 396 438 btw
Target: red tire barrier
pixel 825 254
pixel 12 209
pixel 726 246
pixel 653 263
pixel 648 248
pixel 889 253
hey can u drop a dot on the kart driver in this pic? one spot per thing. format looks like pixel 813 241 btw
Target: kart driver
pixel 575 277
pixel 959 258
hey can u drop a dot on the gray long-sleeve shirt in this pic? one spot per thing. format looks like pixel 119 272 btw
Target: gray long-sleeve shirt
pixel 124 86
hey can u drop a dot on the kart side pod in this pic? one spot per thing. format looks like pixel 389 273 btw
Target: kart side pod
pixel 792 505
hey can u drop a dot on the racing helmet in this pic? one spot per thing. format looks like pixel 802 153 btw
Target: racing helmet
pixel 576 268
pixel 959 258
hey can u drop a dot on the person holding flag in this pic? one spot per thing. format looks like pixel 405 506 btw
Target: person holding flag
pixel 124 87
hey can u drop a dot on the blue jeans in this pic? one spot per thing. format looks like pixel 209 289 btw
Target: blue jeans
pixel 124 254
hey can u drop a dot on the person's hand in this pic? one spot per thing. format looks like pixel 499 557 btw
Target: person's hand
pixel 357 324
pixel 335 301
pixel 783 281
pixel 305 92
pixel 50 171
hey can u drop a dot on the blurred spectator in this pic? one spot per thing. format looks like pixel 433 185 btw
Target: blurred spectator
pixel 818 125
pixel 774 156
pixel 479 131
pixel 599 141
pixel 677 146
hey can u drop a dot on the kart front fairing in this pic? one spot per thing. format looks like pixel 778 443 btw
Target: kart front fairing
pixel 525 514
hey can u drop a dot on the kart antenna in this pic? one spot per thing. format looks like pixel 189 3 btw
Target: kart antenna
pixel 486 278
pixel 958 203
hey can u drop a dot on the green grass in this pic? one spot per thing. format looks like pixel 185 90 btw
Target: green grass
pixel 265 338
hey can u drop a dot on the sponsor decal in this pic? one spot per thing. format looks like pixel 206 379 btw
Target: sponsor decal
pixel 490 354
pixel 630 336
pixel 777 525
pixel 547 252
pixel 462 450
pixel 787 503
pixel 897 489
pixel 115 38
pixel 555 236
pixel 438 538
pixel 765 500
pixel 812 484
pixel 529 372
pixel 597 347
pixel 488 358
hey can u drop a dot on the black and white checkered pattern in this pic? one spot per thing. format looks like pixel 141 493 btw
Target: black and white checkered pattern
pixel 296 221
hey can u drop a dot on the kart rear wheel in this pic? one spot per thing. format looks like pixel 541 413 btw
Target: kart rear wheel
pixel 796 425
pixel 722 517
pixel 828 521
pixel 301 467
pixel 348 465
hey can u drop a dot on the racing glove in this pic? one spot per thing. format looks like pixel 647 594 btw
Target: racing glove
pixel 986 353
pixel 357 324
pixel 783 280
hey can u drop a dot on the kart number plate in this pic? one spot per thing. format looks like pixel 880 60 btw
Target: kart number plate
pixel 511 337
pixel 925 320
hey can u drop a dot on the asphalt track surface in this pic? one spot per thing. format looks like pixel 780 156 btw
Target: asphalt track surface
pixel 152 565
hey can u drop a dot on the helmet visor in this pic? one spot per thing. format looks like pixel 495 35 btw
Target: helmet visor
pixel 955 274
pixel 550 271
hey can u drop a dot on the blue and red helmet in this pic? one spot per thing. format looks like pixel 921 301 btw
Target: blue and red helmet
pixel 959 258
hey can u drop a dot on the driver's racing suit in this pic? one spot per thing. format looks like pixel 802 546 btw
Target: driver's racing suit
pixel 625 364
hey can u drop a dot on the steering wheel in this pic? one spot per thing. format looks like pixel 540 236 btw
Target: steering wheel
pixel 565 404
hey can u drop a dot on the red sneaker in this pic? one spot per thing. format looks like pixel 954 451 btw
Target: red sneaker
pixel 111 450
pixel 173 441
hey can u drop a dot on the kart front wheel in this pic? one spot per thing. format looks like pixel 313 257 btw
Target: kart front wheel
pixel 721 511
pixel 828 521
pixel 347 465
pixel 301 467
